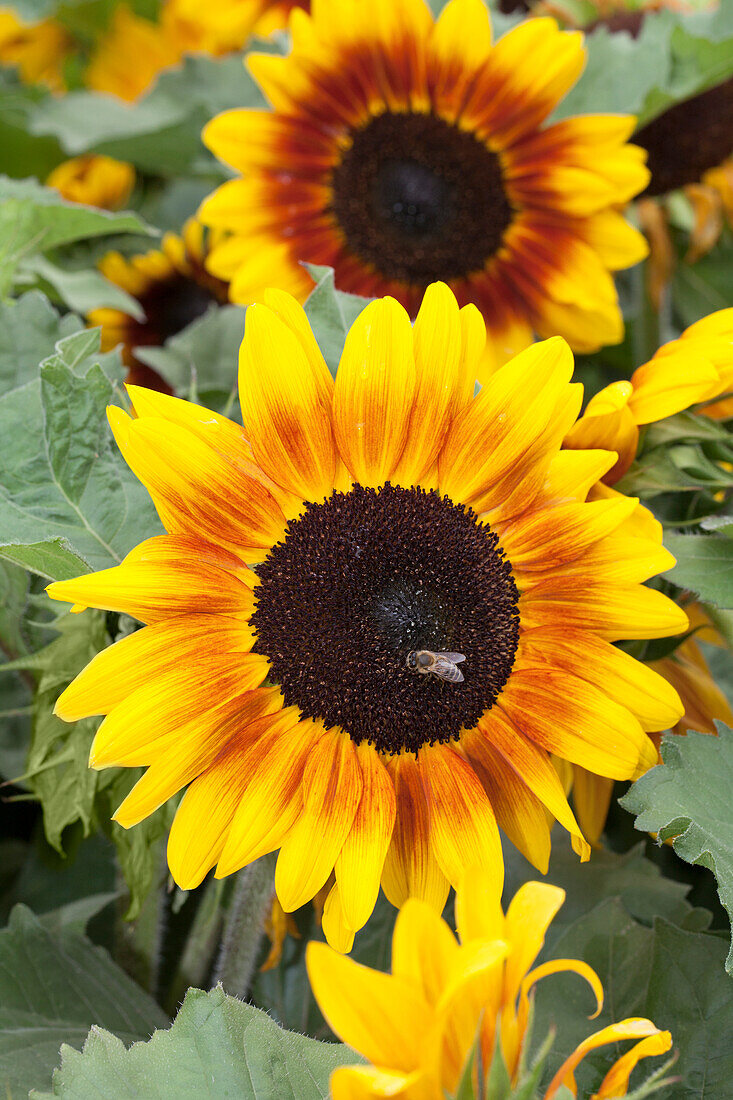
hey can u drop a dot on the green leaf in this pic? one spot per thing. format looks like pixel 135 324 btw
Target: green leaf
pixel 331 313
pixel 29 330
pixel 82 291
pixel 35 219
pixel 632 878
pixel 140 851
pixel 61 475
pixel 704 566
pixel 53 987
pixel 217 1047
pixel 200 362
pixel 675 56
pixel 160 133
pixel 53 559
pixel 671 976
pixel 57 769
pixel 688 800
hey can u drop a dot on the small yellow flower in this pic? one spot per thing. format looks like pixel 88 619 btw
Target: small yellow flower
pixel 37 49
pixel 131 54
pixel 94 180
pixel 696 368
pixel 417 1026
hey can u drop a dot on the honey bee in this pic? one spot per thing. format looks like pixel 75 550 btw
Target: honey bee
pixel 442 665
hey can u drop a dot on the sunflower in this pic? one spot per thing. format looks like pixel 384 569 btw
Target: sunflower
pixel 221 26
pixel 38 50
pixel 134 50
pixel 94 180
pixel 315 564
pixel 172 287
pixel 401 150
pixel 130 55
pixel 418 1025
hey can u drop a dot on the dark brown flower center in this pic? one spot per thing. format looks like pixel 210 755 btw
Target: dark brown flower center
pixel 362 580
pixel 170 305
pixel 419 199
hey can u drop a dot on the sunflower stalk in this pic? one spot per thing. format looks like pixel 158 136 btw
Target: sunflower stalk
pixel 245 924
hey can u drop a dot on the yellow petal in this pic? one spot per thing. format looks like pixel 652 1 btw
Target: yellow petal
pixel 360 862
pixel 632 1028
pixel 424 950
pixel 273 798
pixel 374 391
pixel 463 830
pixel 383 1017
pixel 331 790
pixel 285 406
pixel 411 869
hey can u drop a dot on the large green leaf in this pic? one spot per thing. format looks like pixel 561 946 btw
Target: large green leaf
pixel 704 565
pixel 688 800
pixel 161 132
pixel 674 57
pixel 53 988
pixel 35 219
pixel 61 475
pixel 672 976
pixel 29 330
pixel 217 1047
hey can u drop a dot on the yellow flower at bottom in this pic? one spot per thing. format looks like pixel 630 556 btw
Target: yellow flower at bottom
pixel 94 180
pixel 312 556
pixel 418 1025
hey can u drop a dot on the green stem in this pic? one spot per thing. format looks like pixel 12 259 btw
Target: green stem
pixel 201 944
pixel 250 904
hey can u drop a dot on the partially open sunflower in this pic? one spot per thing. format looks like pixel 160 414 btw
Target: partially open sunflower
pixel 401 150
pixel 348 526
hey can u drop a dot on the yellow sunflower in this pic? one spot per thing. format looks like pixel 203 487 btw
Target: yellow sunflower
pixel 221 26
pixel 134 50
pixel 131 54
pixel 94 180
pixel 317 564
pixel 418 1025
pixel 173 289
pixel 38 50
pixel 400 150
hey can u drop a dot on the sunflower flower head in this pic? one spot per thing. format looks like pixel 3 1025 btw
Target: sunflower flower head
pixel 172 287
pixel 418 1026
pixel 94 180
pixel 401 150
pixel 327 571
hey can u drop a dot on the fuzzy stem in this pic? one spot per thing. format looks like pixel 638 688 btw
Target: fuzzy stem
pixel 245 923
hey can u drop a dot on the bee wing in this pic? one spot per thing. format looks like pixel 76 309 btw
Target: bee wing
pixel 446 669
pixel 455 658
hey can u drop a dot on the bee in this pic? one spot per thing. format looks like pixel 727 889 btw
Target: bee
pixel 442 665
